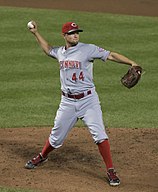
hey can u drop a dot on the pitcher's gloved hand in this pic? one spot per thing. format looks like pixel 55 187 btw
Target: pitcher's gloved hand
pixel 131 78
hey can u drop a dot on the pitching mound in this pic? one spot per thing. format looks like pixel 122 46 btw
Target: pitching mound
pixel 78 166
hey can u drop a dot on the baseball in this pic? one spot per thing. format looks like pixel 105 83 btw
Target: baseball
pixel 30 25
pixel 139 72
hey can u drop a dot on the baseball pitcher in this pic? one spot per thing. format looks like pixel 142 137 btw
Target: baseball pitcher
pixel 79 98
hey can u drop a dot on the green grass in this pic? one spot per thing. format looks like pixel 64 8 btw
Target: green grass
pixel 29 80
pixel 2 189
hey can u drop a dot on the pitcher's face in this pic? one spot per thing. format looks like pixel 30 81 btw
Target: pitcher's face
pixel 72 38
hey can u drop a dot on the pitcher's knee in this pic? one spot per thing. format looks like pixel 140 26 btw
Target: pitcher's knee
pixel 56 143
pixel 100 139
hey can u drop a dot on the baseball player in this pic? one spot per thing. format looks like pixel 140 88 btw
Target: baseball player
pixel 79 98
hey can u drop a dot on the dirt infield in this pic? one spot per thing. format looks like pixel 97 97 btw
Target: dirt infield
pixel 131 7
pixel 77 166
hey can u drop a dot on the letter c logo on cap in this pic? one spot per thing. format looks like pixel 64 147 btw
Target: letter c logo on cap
pixel 73 25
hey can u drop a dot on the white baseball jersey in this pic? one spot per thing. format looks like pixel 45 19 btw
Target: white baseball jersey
pixel 76 66
pixel 76 76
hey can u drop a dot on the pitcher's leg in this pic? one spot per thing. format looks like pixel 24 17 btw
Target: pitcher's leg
pixel 104 149
pixel 64 121
pixel 47 149
pixel 58 133
pixel 93 119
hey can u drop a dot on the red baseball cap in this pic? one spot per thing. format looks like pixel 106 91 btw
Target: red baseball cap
pixel 70 27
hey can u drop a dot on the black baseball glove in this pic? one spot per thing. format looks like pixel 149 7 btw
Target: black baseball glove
pixel 131 78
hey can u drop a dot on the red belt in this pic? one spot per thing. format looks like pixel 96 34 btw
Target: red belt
pixel 79 96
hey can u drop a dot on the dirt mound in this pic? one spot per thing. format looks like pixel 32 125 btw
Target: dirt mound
pixel 78 166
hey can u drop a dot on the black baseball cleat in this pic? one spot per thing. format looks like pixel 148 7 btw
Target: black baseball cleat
pixel 36 161
pixel 113 179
